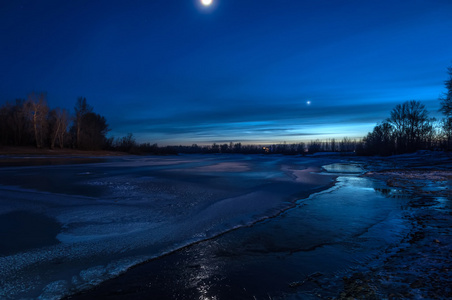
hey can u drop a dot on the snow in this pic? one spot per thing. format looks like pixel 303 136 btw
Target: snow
pixel 119 213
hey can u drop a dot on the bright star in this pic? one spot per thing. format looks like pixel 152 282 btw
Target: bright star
pixel 308 102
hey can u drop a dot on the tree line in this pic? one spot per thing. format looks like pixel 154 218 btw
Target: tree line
pixel 407 129
pixel 345 145
pixel 30 121
pixel 410 128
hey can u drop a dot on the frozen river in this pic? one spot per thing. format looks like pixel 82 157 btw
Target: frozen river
pixel 69 227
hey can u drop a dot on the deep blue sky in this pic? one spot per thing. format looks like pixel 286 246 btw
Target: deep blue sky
pixel 173 72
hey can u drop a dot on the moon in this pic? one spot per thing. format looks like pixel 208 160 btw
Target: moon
pixel 206 2
pixel 308 102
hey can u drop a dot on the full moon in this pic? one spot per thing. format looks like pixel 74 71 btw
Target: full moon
pixel 206 2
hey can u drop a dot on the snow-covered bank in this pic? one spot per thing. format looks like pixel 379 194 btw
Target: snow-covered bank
pixel 418 268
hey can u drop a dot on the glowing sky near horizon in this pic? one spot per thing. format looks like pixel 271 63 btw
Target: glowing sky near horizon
pixel 176 72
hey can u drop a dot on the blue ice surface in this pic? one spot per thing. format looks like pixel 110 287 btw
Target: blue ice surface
pixel 121 212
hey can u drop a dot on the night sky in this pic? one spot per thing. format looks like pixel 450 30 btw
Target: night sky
pixel 175 72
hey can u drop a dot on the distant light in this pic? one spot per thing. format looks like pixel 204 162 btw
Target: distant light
pixel 206 2
pixel 308 102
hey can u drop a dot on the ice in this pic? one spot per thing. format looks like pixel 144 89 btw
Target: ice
pixel 344 168
pixel 116 214
pixel 54 290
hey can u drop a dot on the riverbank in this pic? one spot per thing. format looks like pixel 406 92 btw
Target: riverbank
pixel 413 262
pixel 31 156
pixel 300 254
pixel 420 267
pixel 20 151
pixel 374 236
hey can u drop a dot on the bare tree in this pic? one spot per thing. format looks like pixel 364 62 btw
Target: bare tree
pixel 63 119
pixel 5 131
pixel 126 143
pixel 446 108
pixel 314 146
pixel 445 133
pixel 399 121
pixel 19 125
pixel 238 147
pixel 411 125
pixel 37 110
pixel 58 123
pixel 347 145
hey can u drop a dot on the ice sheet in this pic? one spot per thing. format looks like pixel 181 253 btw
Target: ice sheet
pixel 118 213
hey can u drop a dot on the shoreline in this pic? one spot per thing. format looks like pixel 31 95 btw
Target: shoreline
pixel 31 156
pixel 272 182
pixel 25 150
pixel 125 285
pixel 92 292
pixel 419 267
pixel 426 251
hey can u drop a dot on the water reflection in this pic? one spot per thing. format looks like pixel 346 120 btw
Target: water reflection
pixel 202 270
pixel 346 168
pixel 326 235
pixel 392 193
pixel 443 203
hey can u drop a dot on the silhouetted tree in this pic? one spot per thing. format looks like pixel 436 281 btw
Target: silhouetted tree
pixel 19 125
pixel 446 109
pixel 301 148
pixel 37 110
pixel 333 145
pixel 89 129
pixel 314 146
pixel 237 147
pixel 58 120
pixel 347 145
pixel 215 148
pixel 5 129
pixel 446 99
pixel 381 140
pixel 127 143
pixel 224 148
pixel 81 111
pixel 93 134
pixel 411 125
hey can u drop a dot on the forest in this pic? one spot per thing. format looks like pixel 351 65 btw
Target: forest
pixel 30 122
